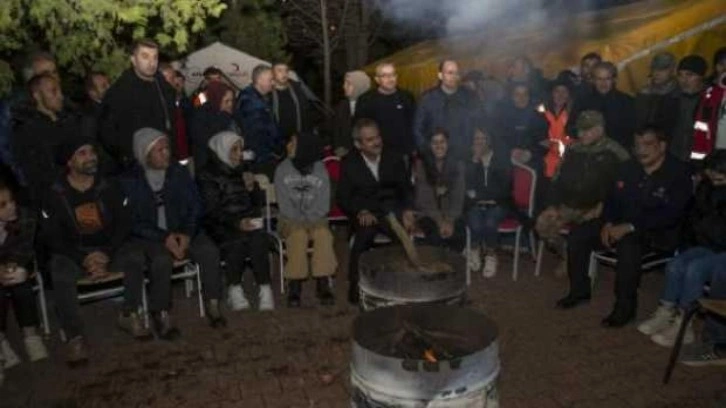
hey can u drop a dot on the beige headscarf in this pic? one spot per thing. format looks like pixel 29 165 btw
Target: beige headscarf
pixel 361 83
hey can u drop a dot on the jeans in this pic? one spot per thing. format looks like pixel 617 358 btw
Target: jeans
pixel 715 328
pixel 484 225
pixel 456 242
pixel 688 272
pixel 254 245
pixel 23 300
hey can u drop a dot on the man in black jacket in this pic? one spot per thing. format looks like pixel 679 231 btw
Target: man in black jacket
pixel 373 184
pixel 391 108
pixel 617 107
pixel 643 213
pixel 291 107
pixel 85 223
pixel 139 98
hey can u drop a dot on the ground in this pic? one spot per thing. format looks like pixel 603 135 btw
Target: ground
pixel 550 358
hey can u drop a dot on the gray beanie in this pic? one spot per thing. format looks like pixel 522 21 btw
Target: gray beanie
pixel 144 140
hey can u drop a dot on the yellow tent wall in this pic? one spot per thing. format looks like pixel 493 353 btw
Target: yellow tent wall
pixel 628 36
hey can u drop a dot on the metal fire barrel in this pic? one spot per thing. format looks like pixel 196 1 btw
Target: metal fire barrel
pixel 388 279
pixel 381 378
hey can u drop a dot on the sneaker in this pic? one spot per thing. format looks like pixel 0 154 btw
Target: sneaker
pixel 11 357
pixel 132 324
pixel 667 337
pixel 267 301
pixel 76 353
pixel 475 259
pixel 490 266
pixel 164 327
pixel 701 355
pixel 661 319
pixel 236 299
pixel 323 292
pixel 214 314
pixel 35 348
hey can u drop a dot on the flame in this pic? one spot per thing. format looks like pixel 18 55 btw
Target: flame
pixel 430 356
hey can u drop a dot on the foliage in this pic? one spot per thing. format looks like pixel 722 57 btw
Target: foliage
pixel 255 27
pixel 87 35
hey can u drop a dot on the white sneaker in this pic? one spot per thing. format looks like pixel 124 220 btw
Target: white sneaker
pixel 490 266
pixel 35 348
pixel 660 320
pixel 667 337
pixel 475 259
pixel 236 299
pixel 267 301
pixel 11 358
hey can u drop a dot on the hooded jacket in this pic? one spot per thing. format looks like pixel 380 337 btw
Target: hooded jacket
pixel 302 198
pixel 254 115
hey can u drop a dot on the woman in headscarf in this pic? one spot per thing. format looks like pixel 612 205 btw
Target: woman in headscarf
pixel 356 84
pixel 302 188
pixel 233 210
pixel 214 116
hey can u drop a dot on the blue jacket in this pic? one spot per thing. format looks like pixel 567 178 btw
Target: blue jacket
pixel 181 200
pixel 517 128
pixel 259 129
pixel 456 113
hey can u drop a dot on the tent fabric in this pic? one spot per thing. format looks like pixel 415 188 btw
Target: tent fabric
pixel 628 36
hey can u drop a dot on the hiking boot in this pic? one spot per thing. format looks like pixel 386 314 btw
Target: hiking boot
pixel 701 355
pixel 76 353
pixel 11 358
pixel 131 323
pixel 622 314
pixel 475 259
pixel 164 327
pixel 571 300
pixel 294 287
pixel 35 348
pixel 490 266
pixel 323 292
pixel 661 319
pixel 667 337
pixel 214 314
pixel 236 299
pixel 266 300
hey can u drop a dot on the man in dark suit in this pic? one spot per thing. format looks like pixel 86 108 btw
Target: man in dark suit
pixel 374 183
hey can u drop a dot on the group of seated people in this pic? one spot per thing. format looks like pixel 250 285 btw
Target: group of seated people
pixel 157 214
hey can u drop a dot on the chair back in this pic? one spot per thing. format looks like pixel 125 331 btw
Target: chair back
pixel 524 183
pixel 332 165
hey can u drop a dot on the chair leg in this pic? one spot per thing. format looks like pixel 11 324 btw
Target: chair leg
pixel 468 256
pixel 679 342
pixel 43 304
pixel 144 304
pixel 515 267
pixel 532 247
pixel 592 271
pixel 538 263
pixel 188 288
pixel 198 274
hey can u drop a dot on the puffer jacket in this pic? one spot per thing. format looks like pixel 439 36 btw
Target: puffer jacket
pixel 226 200
pixel 261 133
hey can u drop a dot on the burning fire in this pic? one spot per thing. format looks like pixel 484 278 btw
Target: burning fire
pixel 430 356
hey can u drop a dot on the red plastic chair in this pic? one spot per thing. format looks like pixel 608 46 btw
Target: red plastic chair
pixel 524 183
pixel 332 165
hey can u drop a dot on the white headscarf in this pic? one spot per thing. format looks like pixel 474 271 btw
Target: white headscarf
pixel 221 144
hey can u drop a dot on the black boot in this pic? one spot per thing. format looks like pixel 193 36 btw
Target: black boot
pixel 214 314
pixel 622 314
pixel 294 288
pixel 572 300
pixel 322 289
pixel 165 329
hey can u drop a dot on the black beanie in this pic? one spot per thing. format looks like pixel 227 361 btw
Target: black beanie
pixel 68 147
pixel 693 63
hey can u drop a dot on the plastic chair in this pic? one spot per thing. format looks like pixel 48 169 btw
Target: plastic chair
pixel 540 251
pixel 185 270
pixel 42 301
pixel 332 165
pixel 524 183
pixel 609 258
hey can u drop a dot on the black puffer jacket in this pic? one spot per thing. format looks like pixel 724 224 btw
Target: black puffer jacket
pixel 226 200
pixel 706 224
pixel 207 122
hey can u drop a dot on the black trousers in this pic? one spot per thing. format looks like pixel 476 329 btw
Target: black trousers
pixel 363 238
pixel 455 242
pixel 22 299
pixel 584 239
pixel 254 245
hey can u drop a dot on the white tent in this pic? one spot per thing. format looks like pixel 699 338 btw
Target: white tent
pixel 236 65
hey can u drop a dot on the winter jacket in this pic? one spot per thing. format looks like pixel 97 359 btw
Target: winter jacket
pixel 517 128
pixel 292 109
pixel 586 174
pixel 261 133
pixel 651 102
pixel 490 183
pixel 394 115
pixel 182 203
pixel 651 202
pixel 302 199
pixel 6 152
pixel 77 223
pixel 443 197
pixel 226 200
pixel 707 122
pixel 557 136
pixel 359 190
pixel 207 122
pixel 19 245
pixel 130 104
pixel 682 114
pixel 455 113
pixel 618 109
pixel 706 221
pixel 341 126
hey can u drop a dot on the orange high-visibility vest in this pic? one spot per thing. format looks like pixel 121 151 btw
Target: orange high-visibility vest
pixel 557 134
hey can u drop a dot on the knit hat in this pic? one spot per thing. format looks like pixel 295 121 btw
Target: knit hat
pixel 144 140
pixel 589 119
pixel 221 144
pixel 693 63
pixel 215 92
pixel 662 61
pixel 361 83
pixel 65 151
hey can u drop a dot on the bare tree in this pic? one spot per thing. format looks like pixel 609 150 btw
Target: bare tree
pixel 319 26
pixel 363 26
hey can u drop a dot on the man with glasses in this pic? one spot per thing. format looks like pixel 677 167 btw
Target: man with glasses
pixel 617 107
pixel 391 108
